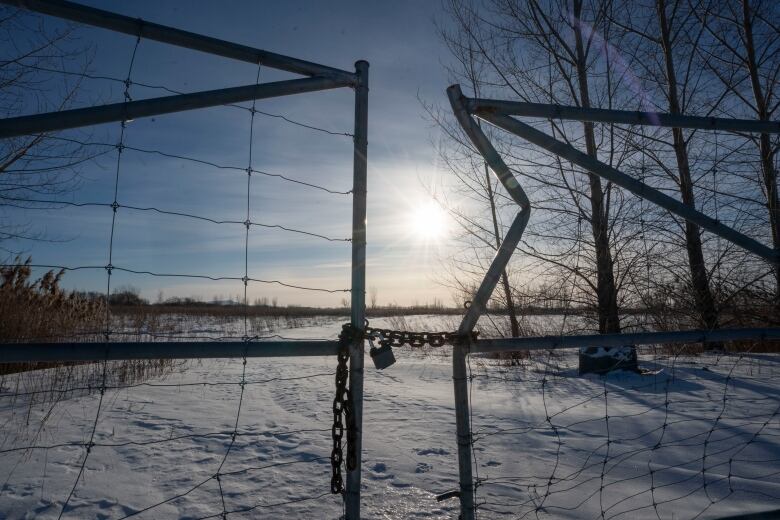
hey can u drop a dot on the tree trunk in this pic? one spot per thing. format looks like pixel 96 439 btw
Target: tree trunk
pixel 510 304
pixel 599 360
pixel 705 304
pixel 768 171
pixel 609 320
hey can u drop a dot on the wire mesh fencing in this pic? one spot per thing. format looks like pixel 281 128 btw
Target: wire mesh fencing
pixel 693 436
pixel 202 440
pixel 152 438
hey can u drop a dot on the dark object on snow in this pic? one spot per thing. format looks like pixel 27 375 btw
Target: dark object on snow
pixel 448 495
pixel 601 360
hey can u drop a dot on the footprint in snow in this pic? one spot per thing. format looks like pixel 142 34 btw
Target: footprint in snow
pixel 423 467
pixel 432 451
pixel 379 472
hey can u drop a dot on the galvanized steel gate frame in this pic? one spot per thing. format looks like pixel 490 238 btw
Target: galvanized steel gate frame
pixel 499 114
pixel 318 77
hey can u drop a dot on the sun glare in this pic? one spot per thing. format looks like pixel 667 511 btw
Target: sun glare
pixel 429 221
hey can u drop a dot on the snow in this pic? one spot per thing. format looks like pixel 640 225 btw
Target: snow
pixel 163 439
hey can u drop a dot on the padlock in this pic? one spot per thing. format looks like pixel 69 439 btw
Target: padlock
pixel 383 356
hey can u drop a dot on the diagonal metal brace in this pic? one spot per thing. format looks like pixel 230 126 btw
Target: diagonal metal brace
pixel 508 180
pixel 640 189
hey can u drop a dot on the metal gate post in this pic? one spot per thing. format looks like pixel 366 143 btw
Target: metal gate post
pixel 461 384
pixel 356 354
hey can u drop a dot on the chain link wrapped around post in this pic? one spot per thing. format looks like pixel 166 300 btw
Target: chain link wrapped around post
pixel 399 338
pixel 342 409
pixel 342 403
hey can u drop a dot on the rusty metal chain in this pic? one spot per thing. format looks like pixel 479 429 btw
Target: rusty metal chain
pixel 399 338
pixel 342 403
pixel 342 409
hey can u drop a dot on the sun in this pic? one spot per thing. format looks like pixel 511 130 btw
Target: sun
pixel 428 221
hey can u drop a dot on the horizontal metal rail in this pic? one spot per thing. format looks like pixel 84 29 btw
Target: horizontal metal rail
pixel 605 171
pixel 162 33
pixel 628 117
pixel 51 121
pixel 622 339
pixel 35 352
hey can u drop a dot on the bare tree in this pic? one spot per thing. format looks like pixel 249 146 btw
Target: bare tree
pixel 41 69
pixel 745 58
pixel 665 36
pixel 476 182
pixel 557 51
pixel 373 293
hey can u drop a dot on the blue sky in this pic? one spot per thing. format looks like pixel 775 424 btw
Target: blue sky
pixel 398 39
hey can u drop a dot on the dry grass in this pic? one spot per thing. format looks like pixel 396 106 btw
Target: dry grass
pixel 41 311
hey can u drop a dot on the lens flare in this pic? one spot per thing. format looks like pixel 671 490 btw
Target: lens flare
pixel 429 222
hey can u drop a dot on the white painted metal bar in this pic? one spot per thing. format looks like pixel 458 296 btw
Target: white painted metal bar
pixel 161 33
pixel 358 317
pixel 601 115
pixel 51 121
pixel 622 339
pixel 35 352
pixel 568 152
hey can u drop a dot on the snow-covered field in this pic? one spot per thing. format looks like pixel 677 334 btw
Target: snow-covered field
pixel 699 438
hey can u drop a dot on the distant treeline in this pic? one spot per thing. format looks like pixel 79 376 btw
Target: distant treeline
pixel 127 300
pixel 238 309
pixel 235 309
